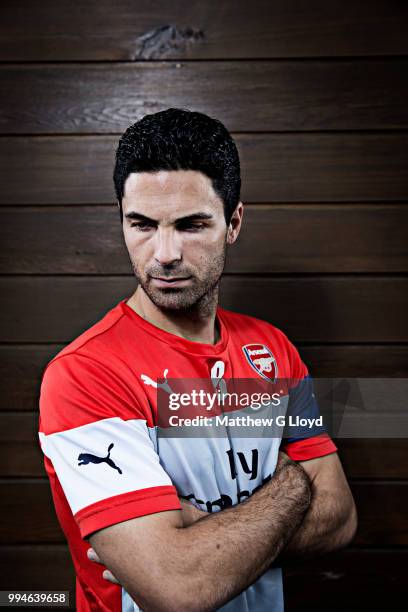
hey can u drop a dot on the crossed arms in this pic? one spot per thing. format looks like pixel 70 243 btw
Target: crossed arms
pixel 177 560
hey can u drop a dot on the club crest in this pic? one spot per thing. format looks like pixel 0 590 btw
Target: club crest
pixel 262 360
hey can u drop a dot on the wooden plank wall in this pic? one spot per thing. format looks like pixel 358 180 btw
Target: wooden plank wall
pixel 315 93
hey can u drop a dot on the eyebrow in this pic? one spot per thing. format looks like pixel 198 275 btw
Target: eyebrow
pixel 139 216
pixel 195 216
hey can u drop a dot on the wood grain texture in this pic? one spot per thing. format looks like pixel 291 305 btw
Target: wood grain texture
pixel 273 95
pixel 279 238
pixel 21 456
pixel 354 309
pixel 381 508
pixel 121 30
pixel 383 520
pixel 356 360
pixel 315 167
pixel 20 451
pixel 28 505
pixel 57 170
pixel 374 459
pixel 349 579
pixel 38 568
pixel 21 367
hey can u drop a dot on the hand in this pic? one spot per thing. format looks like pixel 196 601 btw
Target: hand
pixel 190 513
pixel 283 461
pixel 293 472
pixel 106 574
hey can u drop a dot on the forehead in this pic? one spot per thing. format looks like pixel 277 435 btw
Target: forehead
pixel 170 192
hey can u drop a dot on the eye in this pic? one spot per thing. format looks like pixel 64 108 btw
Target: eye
pixel 142 226
pixel 191 226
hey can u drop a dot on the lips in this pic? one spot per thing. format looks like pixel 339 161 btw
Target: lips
pixel 174 281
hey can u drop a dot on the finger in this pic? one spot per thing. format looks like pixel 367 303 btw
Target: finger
pixel 109 576
pixel 92 556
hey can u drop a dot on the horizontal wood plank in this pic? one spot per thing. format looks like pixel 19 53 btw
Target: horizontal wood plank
pixel 354 167
pixel 279 238
pixel 371 459
pixel 21 456
pixel 21 367
pixel 38 568
pixel 27 514
pixel 123 30
pixel 20 452
pixel 366 577
pixel 354 309
pixel 58 170
pixel 383 520
pixel 356 360
pixel 273 95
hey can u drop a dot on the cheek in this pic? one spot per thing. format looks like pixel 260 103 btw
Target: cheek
pixel 201 249
pixel 217 238
pixel 136 244
pixel 208 242
pixel 205 253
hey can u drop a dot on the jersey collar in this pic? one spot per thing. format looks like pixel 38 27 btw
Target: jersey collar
pixel 195 348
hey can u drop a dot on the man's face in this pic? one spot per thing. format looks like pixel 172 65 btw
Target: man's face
pixel 176 234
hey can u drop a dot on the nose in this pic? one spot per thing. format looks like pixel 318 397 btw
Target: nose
pixel 167 246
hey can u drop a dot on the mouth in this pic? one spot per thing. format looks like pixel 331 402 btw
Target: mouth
pixel 175 281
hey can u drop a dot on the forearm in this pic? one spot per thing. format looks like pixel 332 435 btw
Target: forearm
pixel 330 523
pixel 217 557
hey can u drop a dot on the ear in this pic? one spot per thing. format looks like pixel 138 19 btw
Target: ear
pixel 235 223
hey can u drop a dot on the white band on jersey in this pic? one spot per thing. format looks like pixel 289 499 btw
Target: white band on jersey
pixel 89 472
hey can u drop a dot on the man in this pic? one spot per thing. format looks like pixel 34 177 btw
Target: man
pixel 118 482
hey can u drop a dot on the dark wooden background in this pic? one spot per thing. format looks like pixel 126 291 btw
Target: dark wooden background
pixel 315 93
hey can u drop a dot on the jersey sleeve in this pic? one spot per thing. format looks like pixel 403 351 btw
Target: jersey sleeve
pixel 303 442
pixel 98 444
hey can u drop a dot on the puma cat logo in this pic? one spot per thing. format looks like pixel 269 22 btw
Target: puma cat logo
pixel 85 458
pixel 152 383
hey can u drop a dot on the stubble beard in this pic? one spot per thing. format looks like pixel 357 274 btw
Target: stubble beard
pixel 197 300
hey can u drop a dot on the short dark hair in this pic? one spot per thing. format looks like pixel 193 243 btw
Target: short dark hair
pixel 180 139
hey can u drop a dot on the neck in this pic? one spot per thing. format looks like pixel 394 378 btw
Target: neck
pixel 196 324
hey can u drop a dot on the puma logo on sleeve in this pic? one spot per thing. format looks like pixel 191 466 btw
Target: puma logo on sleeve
pixel 85 458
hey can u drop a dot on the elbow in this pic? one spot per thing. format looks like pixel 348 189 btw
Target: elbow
pixel 173 584
pixel 352 524
pixel 348 528
pixel 169 602
pixel 181 594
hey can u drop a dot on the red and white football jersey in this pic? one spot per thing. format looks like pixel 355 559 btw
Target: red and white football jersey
pixel 107 461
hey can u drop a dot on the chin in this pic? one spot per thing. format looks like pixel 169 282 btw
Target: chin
pixel 173 299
